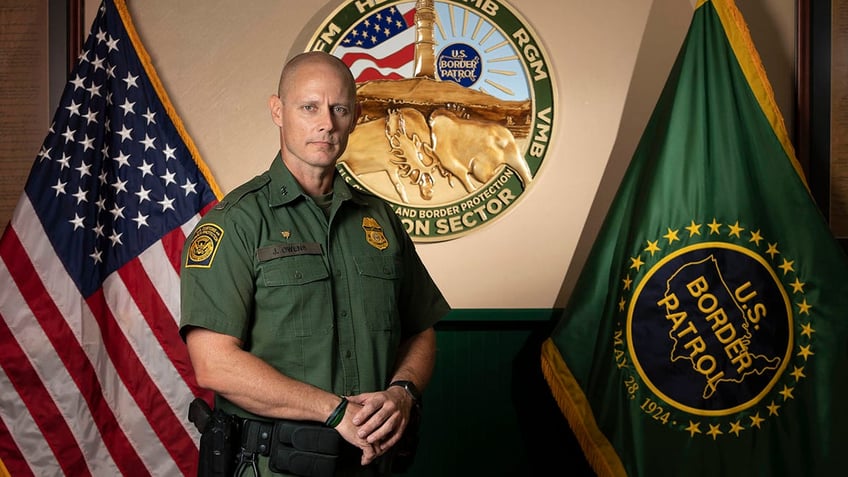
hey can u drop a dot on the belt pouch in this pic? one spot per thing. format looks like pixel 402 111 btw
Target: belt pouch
pixel 301 463
pixel 307 436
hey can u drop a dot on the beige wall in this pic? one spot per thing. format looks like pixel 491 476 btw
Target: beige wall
pixel 219 61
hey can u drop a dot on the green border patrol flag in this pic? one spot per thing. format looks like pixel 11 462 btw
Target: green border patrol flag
pixel 706 334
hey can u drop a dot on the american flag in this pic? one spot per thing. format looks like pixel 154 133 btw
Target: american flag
pixel 382 45
pixel 94 378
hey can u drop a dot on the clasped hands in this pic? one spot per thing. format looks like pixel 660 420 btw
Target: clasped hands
pixel 374 422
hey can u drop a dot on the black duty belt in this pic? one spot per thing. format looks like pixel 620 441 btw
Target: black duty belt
pixel 304 448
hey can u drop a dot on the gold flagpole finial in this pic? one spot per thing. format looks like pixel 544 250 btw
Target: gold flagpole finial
pixel 425 44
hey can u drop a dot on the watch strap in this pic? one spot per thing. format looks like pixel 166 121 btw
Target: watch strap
pixel 410 388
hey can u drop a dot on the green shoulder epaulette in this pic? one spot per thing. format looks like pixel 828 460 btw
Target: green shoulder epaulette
pixel 239 192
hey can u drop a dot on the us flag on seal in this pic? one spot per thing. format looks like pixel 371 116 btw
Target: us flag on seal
pixel 94 378
pixel 382 45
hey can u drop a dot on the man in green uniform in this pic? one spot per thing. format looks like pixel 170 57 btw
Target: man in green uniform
pixel 304 299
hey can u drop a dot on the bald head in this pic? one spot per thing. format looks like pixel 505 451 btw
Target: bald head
pixel 311 58
pixel 316 112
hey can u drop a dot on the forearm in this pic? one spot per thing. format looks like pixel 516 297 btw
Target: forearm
pixel 221 366
pixel 416 359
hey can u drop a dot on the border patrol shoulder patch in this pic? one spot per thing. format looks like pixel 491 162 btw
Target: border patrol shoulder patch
pixel 203 246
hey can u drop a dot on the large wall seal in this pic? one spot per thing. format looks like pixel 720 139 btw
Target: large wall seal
pixel 457 108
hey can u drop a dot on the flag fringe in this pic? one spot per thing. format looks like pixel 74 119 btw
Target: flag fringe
pixel 736 30
pixel 163 96
pixel 599 452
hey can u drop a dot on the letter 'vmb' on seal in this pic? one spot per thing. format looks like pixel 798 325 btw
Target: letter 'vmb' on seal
pixel 708 326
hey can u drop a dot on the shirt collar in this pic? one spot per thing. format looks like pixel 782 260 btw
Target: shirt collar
pixel 285 189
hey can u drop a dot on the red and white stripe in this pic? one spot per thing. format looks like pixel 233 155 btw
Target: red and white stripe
pixel 98 385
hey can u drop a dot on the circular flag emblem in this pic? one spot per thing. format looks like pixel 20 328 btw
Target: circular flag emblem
pixel 457 108
pixel 726 324
pixel 714 327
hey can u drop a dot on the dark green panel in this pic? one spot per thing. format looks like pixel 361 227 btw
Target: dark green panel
pixel 488 410
pixel 502 314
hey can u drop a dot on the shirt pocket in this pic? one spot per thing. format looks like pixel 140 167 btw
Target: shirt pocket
pixel 380 281
pixel 297 297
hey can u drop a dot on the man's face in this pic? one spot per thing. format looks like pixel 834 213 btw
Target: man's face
pixel 316 117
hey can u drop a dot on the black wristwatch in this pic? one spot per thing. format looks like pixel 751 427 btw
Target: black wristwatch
pixel 409 386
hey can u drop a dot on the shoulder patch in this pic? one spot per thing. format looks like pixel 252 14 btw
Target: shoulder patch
pixel 203 246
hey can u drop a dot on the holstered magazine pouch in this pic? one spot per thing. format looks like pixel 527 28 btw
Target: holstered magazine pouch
pixel 304 448
pixel 307 436
pixel 303 463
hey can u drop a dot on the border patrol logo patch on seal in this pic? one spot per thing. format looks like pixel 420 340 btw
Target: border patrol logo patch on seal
pixel 203 246
pixel 457 108
pixel 708 339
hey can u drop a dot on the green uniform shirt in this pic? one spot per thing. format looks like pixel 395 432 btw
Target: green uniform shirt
pixel 324 301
